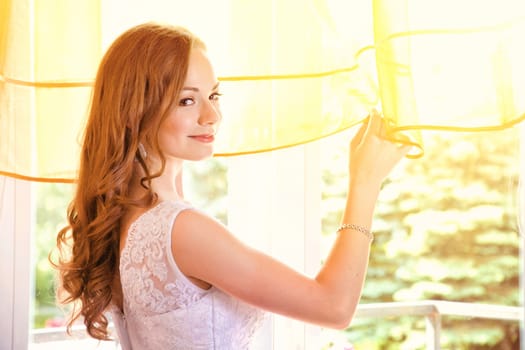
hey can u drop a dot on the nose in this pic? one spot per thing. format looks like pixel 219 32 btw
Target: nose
pixel 210 113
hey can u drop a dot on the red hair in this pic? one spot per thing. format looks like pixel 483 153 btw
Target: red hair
pixel 137 82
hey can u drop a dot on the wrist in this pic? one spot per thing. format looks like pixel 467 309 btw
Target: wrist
pixel 363 187
pixel 357 228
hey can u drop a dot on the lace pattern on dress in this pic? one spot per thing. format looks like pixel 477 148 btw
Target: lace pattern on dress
pixel 144 268
pixel 163 309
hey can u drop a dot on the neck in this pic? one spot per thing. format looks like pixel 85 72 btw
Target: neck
pixel 168 185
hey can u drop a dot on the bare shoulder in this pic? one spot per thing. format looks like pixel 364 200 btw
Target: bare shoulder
pixel 195 222
pixel 195 239
pixel 194 232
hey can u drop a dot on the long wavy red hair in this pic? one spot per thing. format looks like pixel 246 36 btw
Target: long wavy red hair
pixel 138 81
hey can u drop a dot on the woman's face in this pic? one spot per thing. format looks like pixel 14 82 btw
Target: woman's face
pixel 188 132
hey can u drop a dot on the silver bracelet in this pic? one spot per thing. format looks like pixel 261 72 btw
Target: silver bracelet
pixel 358 228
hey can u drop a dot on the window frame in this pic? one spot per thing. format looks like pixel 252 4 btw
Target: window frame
pixel 16 271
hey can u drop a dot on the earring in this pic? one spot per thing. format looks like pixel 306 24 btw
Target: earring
pixel 142 151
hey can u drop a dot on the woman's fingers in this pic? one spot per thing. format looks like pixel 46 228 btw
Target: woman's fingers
pixel 372 154
pixel 356 140
pixel 371 126
pixel 375 124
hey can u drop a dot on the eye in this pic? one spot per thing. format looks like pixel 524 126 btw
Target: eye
pixel 186 101
pixel 215 96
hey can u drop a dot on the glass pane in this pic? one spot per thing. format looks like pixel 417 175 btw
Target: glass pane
pixel 51 206
pixel 446 229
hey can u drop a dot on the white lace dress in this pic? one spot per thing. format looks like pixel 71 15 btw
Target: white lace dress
pixel 162 308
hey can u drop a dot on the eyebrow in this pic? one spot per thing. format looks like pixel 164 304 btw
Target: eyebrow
pixel 191 88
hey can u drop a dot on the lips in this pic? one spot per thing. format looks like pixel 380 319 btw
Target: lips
pixel 208 138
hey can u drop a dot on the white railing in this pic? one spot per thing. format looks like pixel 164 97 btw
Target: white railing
pixel 432 310
pixel 56 338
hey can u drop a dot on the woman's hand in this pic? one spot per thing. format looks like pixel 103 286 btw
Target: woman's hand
pixel 372 156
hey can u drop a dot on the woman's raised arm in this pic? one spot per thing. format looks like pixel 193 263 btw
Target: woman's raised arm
pixel 206 251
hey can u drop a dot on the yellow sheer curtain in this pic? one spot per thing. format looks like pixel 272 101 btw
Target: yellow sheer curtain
pixel 292 71
pixel 48 57
pixel 450 65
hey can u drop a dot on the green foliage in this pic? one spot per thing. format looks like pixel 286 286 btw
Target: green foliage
pixel 51 203
pixel 207 186
pixel 446 229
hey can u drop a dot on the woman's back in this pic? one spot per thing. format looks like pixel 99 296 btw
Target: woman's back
pixel 163 309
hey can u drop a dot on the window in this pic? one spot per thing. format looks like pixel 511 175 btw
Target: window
pixel 446 224
pixel 446 229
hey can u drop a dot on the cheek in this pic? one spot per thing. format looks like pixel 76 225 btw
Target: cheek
pixel 168 135
pixel 175 125
pixel 174 132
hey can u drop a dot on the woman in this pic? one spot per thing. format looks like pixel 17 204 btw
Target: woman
pixel 172 277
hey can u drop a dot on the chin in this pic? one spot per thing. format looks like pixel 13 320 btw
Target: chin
pixel 199 157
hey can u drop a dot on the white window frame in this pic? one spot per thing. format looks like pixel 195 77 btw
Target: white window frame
pixel 521 228
pixel 16 274
pixel 274 204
